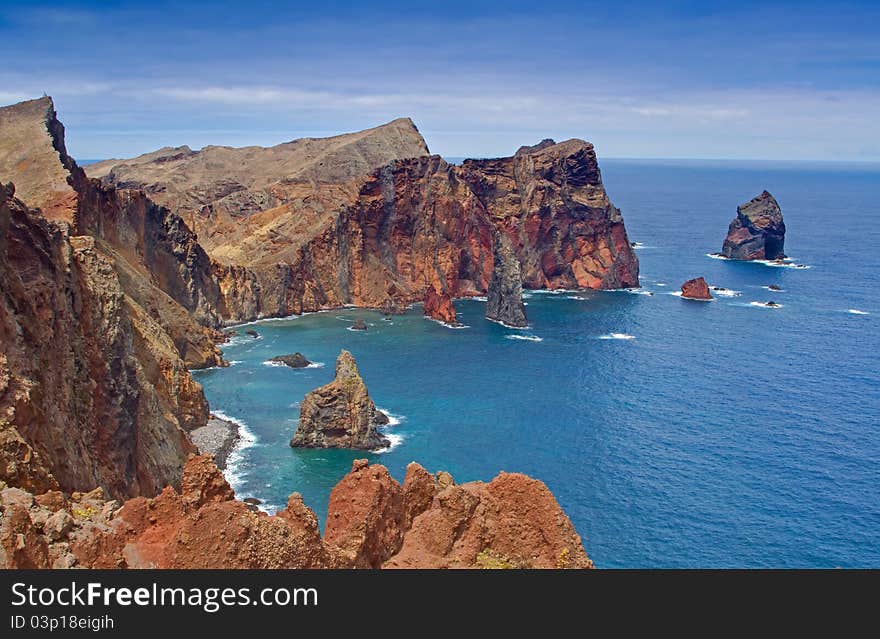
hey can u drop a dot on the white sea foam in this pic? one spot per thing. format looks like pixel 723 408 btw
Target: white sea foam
pixel 635 291
pixel 637 246
pixel 246 438
pixel 661 284
pixel 855 311
pixel 445 324
pixel 786 263
pixel 764 305
pixel 480 298
pixel 395 439
pixel 527 338
pixel 233 362
pixel 725 292
pixel 358 330
pixel 617 336
pixel 393 420
pixel 676 293
pixel 269 362
pixel 774 290
pixel 506 325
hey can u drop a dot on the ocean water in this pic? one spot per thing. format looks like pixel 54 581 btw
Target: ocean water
pixel 674 433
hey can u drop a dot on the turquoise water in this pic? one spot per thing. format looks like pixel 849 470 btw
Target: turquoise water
pixel 720 434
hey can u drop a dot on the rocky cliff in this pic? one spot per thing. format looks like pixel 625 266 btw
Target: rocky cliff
pixel 372 522
pixel 339 414
pixel 757 232
pixel 92 391
pixel 386 230
pixel 107 299
pixel 504 303
pixel 439 306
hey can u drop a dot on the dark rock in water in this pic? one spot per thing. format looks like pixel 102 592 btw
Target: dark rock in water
pixel 359 325
pixel 381 419
pixel 252 500
pixel 297 360
pixel 339 414
pixel 757 232
pixel 229 335
pixel 774 287
pixel 252 333
pixel 393 306
pixel 696 289
pixel 438 306
pixel 504 301
pixel 772 304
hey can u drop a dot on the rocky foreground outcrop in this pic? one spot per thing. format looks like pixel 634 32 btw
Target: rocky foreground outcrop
pixel 757 232
pixel 512 521
pixel 696 289
pixel 504 301
pixel 339 414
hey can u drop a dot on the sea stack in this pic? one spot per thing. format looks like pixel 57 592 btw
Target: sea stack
pixel 438 306
pixel 696 289
pixel 757 232
pixel 339 414
pixel 505 302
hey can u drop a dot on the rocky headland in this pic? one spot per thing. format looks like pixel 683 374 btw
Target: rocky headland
pixel 757 232
pixel 108 298
pixel 340 414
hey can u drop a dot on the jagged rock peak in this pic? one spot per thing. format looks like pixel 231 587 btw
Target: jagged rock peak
pixel 757 232
pixel 34 157
pixel 339 414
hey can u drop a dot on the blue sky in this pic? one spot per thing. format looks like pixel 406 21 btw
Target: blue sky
pixel 764 80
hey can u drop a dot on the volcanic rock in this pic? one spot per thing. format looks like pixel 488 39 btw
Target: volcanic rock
pixel 505 303
pixel 297 360
pixel 381 419
pixel 774 287
pixel 359 325
pixel 339 414
pixel 252 333
pixel 696 289
pixel 438 306
pixel 757 232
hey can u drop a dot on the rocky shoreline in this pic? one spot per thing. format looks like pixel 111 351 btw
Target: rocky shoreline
pixel 218 438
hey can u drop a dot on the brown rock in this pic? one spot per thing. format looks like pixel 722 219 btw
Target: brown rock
pixel 696 289
pixel 513 521
pixel 438 306
pixel 364 517
pixel 339 414
pixel 203 483
pixel 419 489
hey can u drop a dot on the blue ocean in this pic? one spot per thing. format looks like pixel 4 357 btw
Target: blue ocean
pixel 674 433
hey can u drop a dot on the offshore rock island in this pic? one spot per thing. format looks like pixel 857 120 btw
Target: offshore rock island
pixel 113 285
pixel 757 232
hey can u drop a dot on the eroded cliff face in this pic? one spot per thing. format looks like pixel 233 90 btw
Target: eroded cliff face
pixel 386 229
pixel 92 392
pixel 757 232
pixel 372 522
pixel 550 200
pixel 107 298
